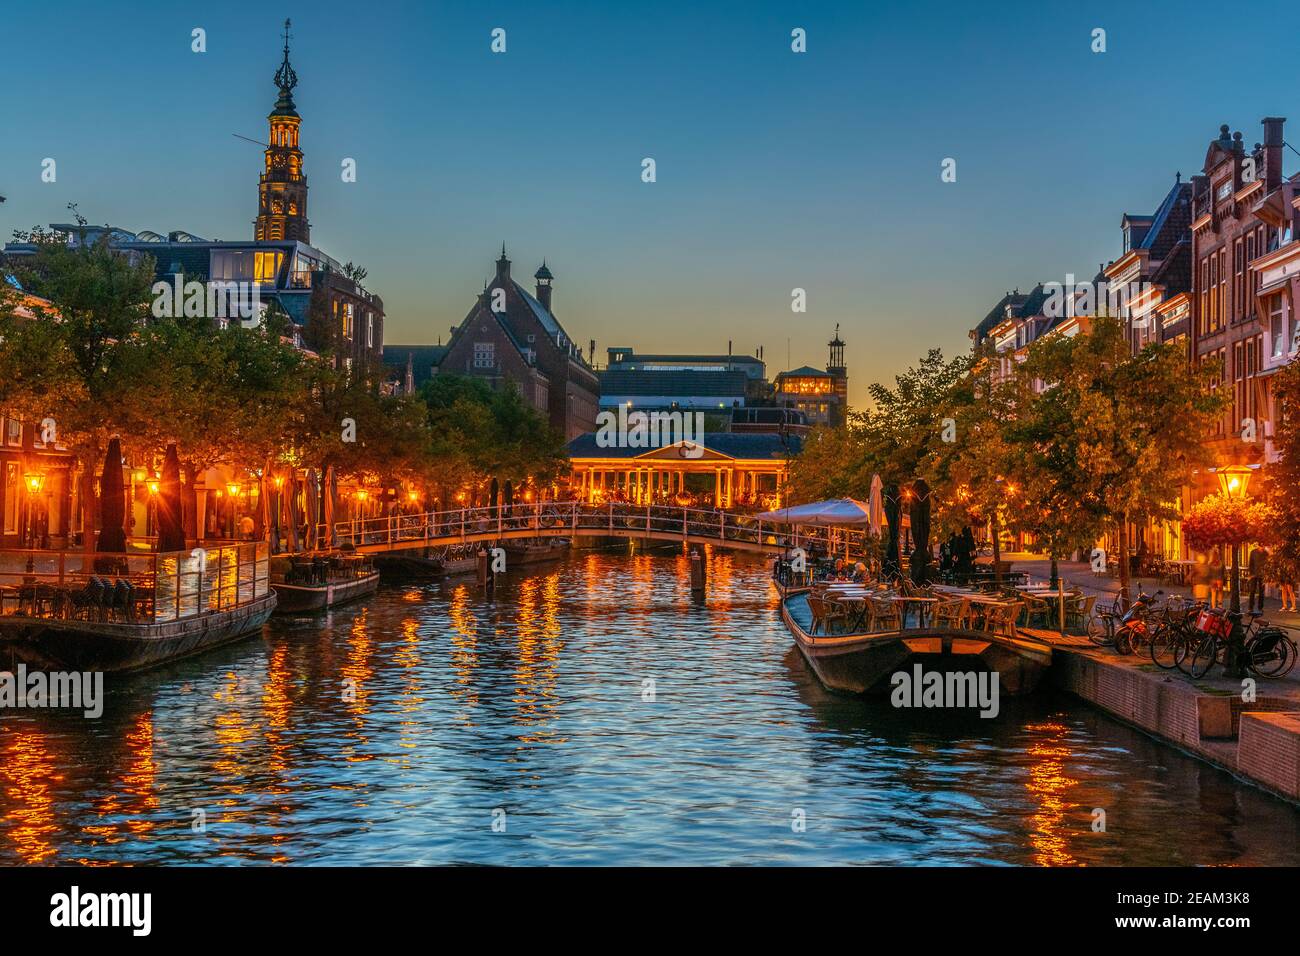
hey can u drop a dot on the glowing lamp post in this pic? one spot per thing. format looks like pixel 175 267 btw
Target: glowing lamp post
pixel 1233 480
pixel 33 481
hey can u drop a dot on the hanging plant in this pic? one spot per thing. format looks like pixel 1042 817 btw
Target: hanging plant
pixel 1219 521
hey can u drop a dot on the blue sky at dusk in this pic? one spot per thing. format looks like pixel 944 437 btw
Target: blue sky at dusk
pixel 775 170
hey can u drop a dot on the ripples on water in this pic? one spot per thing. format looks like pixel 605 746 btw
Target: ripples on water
pixel 390 731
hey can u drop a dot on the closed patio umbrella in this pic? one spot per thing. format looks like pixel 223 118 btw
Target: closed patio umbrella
pixel 328 504
pixel 509 497
pixel 889 566
pixel 876 505
pixel 920 514
pixel 112 497
pixel 289 508
pixel 171 530
pixel 313 510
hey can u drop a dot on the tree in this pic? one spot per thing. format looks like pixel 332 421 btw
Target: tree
pixel 1282 478
pixel 1122 431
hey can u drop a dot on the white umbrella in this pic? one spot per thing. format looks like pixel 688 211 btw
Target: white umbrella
pixel 876 505
pixel 836 511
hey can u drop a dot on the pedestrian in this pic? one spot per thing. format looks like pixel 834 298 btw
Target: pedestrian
pixel 1218 572
pixel 1202 577
pixel 1282 571
pixel 1256 564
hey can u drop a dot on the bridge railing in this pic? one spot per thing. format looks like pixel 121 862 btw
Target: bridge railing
pixel 557 518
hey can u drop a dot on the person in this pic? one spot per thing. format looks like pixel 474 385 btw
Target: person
pixel 246 527
pixel 860 573
pixel 1217 574
pixel 1256 564
pixel 838 574
pixel 1202 577
pixel 1282 572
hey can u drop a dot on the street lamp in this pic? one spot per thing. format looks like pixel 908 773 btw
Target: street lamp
pixel 33 481
pixel 1233 480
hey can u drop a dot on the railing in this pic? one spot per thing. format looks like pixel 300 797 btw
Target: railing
pixel 556 519
pixel 132 588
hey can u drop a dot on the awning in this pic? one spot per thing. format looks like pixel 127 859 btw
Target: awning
pixel 836 511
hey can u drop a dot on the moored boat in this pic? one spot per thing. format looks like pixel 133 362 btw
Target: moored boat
pixel 322 581
pixel 113 613
pixel 865 662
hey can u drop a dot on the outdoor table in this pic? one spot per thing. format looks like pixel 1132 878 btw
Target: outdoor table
pixel 923 605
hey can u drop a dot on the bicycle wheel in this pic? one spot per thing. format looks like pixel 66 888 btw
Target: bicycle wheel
pixel 1101 630
pixel 1207 651
pixel 1163 647
pixel 1272 663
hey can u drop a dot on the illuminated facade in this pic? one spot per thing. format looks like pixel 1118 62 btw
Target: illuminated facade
pixel 822 396
pixel 725 470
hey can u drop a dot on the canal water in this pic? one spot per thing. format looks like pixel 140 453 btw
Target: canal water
pixel 591 713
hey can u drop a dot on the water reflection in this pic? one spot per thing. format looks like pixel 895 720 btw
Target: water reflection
pixel 389 732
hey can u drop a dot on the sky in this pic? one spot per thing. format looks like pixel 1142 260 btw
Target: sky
pixel 775 170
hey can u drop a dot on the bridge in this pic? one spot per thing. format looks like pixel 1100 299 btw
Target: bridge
pixel 571 519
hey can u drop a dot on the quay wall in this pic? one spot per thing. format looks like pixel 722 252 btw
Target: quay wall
pixel 1257 741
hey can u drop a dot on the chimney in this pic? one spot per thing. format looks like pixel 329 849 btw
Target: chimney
pixel 1272 152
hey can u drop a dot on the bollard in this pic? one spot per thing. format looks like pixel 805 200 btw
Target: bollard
pixel 698 573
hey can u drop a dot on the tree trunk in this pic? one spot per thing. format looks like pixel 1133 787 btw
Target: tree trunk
pixel 1123 562
pixel 190 502
pixel 997 548
pixel 89 508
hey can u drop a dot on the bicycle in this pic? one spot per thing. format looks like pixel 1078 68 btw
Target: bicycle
pixel 1175 634
pixel 1267 651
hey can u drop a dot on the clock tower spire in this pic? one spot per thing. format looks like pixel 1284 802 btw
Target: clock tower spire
pixel 282 190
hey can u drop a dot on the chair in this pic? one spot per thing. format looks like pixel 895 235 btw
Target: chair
pixel 817 607
pixel 952 613
pixel 1035 607
pixel 1078 611
pixel 1001 618
pixel 886 614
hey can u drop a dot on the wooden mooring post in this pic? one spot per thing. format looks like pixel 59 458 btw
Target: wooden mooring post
pixel 699 573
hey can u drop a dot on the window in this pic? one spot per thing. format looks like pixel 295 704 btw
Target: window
pixel 245 265
pixel 13 434
pixel 347 320
pixel 370 330
pixel 11 492
pixel 485 355
pixel 1281 342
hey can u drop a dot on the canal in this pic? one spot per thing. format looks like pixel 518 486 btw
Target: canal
pixel 591 714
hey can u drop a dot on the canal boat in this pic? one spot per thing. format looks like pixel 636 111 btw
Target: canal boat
pixel 864 662
pixel 322 581
pixel 532 551
pixel 116 613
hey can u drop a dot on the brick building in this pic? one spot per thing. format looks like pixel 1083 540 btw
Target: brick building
pixel 511 335
pixel 1230 244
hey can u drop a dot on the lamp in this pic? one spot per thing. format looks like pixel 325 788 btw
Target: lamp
pixel 153 486
pixel 1233 480
pixel 34 480
pixel 233 488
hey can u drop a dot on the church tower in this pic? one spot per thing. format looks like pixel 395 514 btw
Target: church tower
pixel 282 191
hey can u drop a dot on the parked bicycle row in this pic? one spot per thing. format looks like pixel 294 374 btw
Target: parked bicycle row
pixel 1191 636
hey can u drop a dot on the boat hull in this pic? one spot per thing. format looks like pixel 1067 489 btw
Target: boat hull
pixel 865 663
pixel 114 647
pixel 296 598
